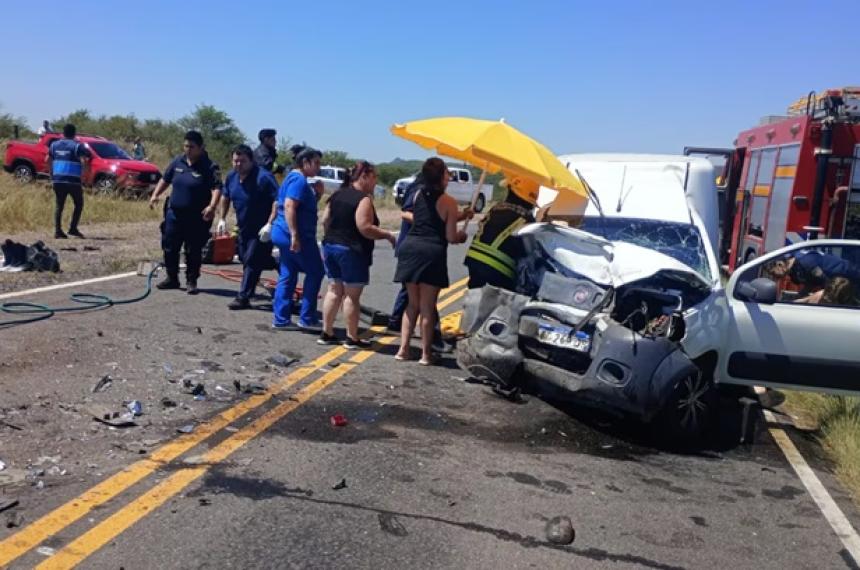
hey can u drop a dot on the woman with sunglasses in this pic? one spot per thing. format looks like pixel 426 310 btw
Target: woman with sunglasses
pixel 351 228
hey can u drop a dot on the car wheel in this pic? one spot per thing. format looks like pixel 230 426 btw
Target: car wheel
pixel 480 203
pixel 23 173
pixel 104 185
pixel 690 410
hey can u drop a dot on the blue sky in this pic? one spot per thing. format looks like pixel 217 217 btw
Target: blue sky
pixel 636 76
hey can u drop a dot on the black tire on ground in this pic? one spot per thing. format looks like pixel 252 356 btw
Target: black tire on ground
pixel 104 184
pixel 480 203
pixel 691 409
pixel 23 173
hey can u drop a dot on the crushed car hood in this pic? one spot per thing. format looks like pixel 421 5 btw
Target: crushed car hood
pixel 606 262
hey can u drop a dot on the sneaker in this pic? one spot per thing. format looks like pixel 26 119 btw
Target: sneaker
pixel 60 234
pixel 191 287
pixel 168 283
pixel 359 344
pixel 327 339
pixel 76 233
pixel 314 326
pixel 239 304
pixel 287 326
pixel 394 326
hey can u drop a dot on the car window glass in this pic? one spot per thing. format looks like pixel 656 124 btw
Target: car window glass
pixel 341 174
pixel 815 275
pixel 326 173
pixel 464 176
pixel 452 175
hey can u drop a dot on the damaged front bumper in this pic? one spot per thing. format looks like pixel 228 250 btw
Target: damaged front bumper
pixel 583 352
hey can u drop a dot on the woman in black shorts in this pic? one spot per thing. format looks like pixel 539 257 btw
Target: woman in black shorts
pixel 422 262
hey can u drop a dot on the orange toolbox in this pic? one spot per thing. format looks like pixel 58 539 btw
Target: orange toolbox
pixel 223 249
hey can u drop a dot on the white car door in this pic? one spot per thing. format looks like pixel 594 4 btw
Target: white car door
pixel 793 319
pixel 457 189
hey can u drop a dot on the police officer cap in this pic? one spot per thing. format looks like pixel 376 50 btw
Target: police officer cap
pixel 265 133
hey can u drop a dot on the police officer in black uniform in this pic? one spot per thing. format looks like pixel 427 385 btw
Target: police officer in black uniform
pixel 495 250
pixel 189 211
pixel 266 155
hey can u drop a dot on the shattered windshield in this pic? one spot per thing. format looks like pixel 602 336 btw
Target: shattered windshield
pixel 681 242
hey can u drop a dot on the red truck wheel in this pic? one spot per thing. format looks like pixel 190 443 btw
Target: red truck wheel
pixel 23 173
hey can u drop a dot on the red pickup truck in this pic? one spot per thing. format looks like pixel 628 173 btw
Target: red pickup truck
pixel 110 168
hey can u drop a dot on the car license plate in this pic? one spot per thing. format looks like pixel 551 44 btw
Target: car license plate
pixel 564 337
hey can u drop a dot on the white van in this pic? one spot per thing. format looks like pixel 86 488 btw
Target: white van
pixel 461 187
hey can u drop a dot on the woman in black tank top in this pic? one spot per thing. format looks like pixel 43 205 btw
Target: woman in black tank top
pixel 422 261
pixel 351 227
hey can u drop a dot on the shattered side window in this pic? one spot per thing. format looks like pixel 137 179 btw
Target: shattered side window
pixel 681 242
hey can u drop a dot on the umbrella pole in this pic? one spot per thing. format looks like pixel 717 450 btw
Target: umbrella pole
pixel 475 193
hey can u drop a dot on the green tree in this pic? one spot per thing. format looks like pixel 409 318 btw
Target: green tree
pixel 8 121
pixel 390 172
pixel 219 131
pixel 337 158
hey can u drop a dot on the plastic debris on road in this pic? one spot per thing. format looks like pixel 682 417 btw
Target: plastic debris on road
pixel 103 384
pixel 338 420
pixel 339 485
pixel 135 407
pixel 186 429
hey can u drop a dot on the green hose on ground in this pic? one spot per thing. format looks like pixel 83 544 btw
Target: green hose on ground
pixel 85 302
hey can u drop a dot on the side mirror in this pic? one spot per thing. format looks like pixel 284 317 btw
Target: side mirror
pixel 761 290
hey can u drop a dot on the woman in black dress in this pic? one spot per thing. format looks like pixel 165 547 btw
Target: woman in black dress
pixel 422 262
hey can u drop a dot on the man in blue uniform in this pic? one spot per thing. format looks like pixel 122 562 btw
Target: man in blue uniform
pixel 66 161
pixel 252 190
pixel 189 212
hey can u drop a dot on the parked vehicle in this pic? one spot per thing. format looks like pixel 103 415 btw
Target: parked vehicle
pixel 792 177
pixel 111 167
pixel 461 187
pixel 333 176
pixel 622 305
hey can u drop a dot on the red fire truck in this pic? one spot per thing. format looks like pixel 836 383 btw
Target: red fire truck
pixel 792 178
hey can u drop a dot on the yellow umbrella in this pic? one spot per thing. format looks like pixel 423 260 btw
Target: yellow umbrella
pixel 492 146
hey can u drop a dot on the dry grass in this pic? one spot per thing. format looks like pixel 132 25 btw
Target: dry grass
pixel 31 208
pixel 837 418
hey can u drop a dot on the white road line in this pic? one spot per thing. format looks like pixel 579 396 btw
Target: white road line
pixel 66 285
pixel 831 511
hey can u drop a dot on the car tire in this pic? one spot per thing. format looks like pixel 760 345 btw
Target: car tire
pixel 480 203
pixel 690 411
pixel 23 173
pixel 104 184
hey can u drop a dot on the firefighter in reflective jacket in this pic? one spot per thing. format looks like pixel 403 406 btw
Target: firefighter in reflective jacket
pixel 495 249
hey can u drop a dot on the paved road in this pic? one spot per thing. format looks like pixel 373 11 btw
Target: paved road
pixel 438 472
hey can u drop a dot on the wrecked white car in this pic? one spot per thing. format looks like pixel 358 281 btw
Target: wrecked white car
pixel 627 310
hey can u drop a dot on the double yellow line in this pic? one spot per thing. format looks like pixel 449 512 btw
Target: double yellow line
pixel 30 537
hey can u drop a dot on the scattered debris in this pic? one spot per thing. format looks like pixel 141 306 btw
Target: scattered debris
pixel 111 417
pixel 338 420
pixel 200 397
pixel 14 519
pixel 186 428
pixel 193 387
pixel 2 465
pixel 249 387
pixel 220 388
pixel 339 485
pixel 135 407
pixel 204 502
pixel 391 525
pixel 8 504
pixel 168 403
pixel 281 360
pixel 231 429
pixel 40 484
pixel 46 551
pixel 559 530
pixel 199 330
pixel 103 384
